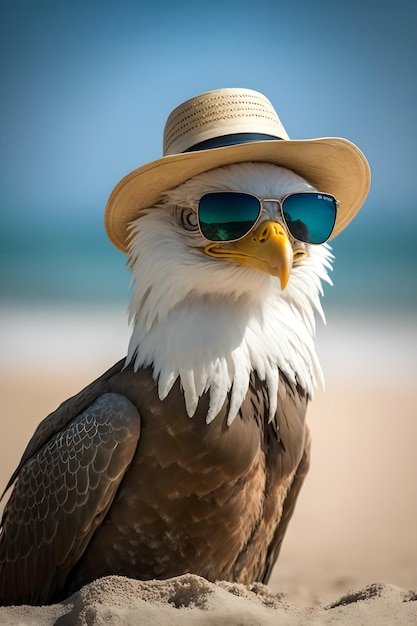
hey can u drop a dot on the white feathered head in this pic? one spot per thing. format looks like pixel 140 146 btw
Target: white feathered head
pixel 210 312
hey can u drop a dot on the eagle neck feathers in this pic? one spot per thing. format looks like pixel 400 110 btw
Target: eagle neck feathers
pixel 210 323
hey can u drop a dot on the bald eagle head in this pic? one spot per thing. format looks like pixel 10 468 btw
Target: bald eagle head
pixel 208 312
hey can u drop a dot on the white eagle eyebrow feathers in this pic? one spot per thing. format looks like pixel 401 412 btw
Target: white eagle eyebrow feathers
pixel 221 321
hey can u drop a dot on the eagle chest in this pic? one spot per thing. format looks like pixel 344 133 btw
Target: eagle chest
pixel 197 497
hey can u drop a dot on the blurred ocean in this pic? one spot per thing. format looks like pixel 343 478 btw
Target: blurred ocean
pixel 65 290
pixel 73 263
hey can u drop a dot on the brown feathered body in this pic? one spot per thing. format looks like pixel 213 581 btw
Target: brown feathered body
pixel 153 494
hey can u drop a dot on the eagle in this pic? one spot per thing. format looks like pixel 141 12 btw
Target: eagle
pixel 188 454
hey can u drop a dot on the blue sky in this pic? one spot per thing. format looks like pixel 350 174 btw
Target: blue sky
pixel 87 86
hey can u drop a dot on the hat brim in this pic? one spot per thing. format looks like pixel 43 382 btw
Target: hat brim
pixel 331 164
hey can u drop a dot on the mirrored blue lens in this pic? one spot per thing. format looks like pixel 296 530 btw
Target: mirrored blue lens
pixel 226 216
pixel 310 217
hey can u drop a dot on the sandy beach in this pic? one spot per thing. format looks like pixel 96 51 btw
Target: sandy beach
pixel 353 534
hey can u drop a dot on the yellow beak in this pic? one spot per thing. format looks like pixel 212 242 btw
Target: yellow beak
pixel 267 249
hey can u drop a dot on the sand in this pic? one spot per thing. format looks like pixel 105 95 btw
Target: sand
pixel 350 555
pixel 192 600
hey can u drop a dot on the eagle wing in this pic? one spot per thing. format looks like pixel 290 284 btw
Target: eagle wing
pixel 64 490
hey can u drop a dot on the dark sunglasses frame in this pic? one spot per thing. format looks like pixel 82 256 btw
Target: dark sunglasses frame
pixel 280 203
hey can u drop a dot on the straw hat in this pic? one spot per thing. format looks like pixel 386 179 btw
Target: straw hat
pixel 228 126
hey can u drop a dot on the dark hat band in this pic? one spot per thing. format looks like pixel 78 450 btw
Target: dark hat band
pixel 230 140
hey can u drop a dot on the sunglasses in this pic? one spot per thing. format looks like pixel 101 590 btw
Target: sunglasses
pixel 228 216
